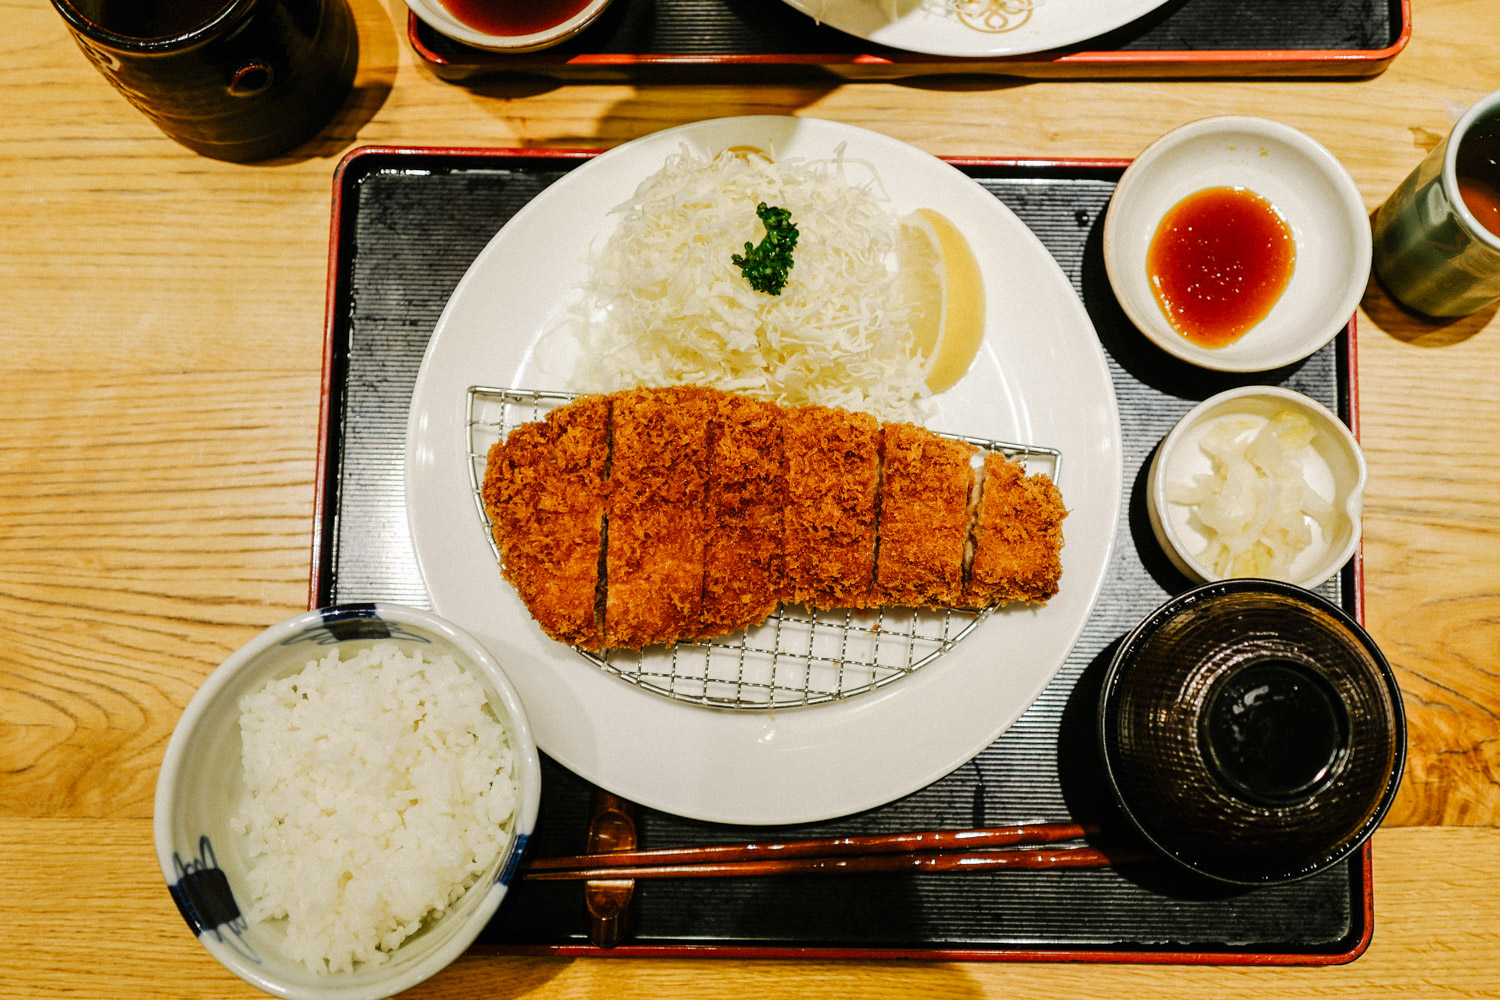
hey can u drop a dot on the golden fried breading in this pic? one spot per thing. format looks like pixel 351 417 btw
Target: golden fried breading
pixel 657 523
pixel 665 515
pixel 924 517
pixel 544 489
pixel 832 477
pixel 1017 536
pixel 744 573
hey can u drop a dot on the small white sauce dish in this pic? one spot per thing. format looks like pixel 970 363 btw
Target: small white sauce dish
pixel 1333 465
pixel 441 20
pixel 1304 183
pixel 202 786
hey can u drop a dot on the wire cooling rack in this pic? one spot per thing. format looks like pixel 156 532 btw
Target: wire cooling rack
pixel 798 656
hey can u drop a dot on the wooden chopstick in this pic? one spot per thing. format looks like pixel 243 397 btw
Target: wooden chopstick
pixel 825 847
pixel 950 861
pixel 932 850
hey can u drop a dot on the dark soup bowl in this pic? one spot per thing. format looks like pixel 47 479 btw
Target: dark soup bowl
pixel 1252 731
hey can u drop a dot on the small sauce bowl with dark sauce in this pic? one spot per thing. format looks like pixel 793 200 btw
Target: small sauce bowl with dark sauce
pixel 1252 732
pixel 509 25
pixel 1237 243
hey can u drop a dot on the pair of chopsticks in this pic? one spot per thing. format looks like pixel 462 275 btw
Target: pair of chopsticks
pixel 991 849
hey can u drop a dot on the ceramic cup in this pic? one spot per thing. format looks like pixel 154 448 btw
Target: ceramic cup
pixel 1430 251
pixel 231 79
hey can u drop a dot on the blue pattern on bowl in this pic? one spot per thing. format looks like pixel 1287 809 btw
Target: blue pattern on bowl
pixel 352 623
pixel 206 901
pixel 512 863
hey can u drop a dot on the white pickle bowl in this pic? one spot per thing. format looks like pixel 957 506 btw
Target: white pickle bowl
pixel 1333 465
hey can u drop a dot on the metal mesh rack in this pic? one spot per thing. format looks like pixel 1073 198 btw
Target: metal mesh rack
pixel 798 656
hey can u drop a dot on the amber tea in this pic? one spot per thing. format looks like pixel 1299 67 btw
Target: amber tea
pixel 1478 169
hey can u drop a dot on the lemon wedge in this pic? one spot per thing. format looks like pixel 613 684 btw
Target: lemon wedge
pixel 940 277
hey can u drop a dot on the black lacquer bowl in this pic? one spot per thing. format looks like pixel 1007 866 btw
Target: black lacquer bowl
pixel 1252 731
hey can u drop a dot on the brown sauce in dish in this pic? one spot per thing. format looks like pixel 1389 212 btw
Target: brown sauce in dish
pixel 513 17
pixel 1218 262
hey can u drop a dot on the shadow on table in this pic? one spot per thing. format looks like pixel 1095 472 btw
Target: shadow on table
pixel 373 80
pixel 1420 330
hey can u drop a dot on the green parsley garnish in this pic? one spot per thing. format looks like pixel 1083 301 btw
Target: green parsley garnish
pixel 765 266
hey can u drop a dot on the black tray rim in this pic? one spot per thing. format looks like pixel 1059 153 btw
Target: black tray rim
pixel 364 160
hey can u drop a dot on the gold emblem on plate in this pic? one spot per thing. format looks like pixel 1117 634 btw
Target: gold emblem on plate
pixel 994 16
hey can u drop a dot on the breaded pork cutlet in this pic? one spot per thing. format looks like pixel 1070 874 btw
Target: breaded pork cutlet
pixel 744 574
pixel 832 481
pixel 665 515
pixel 657 518
pixel 544 491
pixel 924 517
pixel 1017 537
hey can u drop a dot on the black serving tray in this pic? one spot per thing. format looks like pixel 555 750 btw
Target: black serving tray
pixel 670 40
pixel 406 225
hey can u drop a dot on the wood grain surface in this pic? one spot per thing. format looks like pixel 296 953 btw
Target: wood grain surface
pixel 162 332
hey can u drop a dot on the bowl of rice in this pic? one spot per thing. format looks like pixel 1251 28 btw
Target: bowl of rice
pixel 346 800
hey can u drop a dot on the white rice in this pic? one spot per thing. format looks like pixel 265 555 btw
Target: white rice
pixel 378 787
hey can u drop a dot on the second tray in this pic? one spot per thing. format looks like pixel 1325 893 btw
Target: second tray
pixel 669 40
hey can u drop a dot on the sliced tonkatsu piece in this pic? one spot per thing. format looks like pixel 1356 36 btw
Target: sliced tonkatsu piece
pixel 1017 537
pixel 832 481
pixel 666 515
pixel 744 575
pixel 657 523
pixel 924 517
pixel 544 490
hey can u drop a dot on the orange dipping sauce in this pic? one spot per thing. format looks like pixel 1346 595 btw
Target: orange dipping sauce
pixel 1218 262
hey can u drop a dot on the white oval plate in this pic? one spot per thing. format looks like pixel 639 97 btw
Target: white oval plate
pixel 1040 378
pixel 975 27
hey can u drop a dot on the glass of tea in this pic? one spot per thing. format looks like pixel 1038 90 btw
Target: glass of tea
pixel 232 79
pixel 1437 237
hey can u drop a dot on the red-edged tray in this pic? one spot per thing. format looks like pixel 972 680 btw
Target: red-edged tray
pixel 694 39
pixel 407 223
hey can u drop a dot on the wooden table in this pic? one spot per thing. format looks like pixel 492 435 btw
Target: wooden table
pixel 162 336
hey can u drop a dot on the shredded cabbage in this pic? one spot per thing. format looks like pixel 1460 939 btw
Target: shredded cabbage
pixel 1255 507
pixel 665 304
